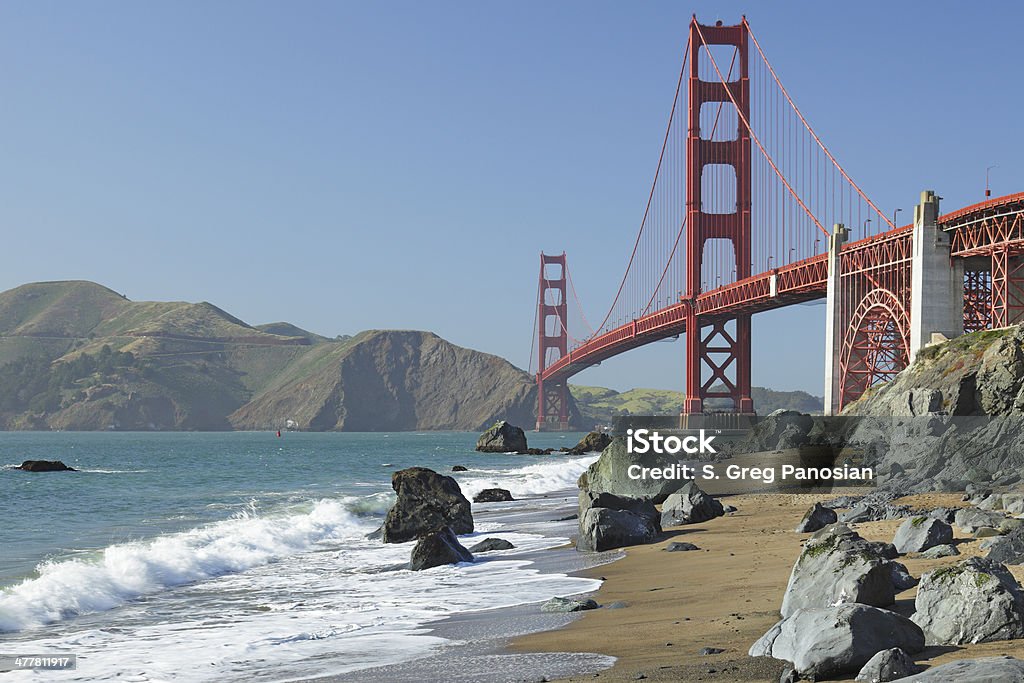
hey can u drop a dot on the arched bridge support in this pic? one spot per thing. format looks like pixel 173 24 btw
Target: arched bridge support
pixel 886 299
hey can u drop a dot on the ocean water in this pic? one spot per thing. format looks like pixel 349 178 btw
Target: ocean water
pixel 243 556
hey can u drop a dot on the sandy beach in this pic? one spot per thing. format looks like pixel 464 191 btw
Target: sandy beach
pixel 660 609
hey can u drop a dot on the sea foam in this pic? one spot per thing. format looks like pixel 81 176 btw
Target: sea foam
pixel 126 571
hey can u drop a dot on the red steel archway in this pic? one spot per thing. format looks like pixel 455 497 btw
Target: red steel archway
pixel 875 344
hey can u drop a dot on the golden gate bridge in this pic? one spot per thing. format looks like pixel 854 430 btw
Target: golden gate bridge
pixel 748 212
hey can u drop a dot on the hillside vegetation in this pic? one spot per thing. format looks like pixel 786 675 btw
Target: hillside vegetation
pixel 78 356
pixel 599 405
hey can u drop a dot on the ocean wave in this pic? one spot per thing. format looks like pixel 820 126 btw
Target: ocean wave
pixel 126 571
pixel 373 504
pixel 554 474
pixel 99 471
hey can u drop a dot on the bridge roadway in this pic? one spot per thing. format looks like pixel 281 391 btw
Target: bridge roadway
pixel 980 231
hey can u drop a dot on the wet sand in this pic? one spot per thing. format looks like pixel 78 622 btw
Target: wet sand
pixel 725 595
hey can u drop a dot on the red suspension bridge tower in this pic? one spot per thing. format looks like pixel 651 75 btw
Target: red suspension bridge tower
pixel 717 346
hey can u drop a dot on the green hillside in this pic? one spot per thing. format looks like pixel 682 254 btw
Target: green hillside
pixel 78 356
pixel 599 405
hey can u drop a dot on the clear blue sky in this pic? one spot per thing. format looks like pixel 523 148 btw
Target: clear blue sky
pixel 353 165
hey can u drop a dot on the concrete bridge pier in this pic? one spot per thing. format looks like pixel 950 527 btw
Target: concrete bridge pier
pixel 833 321
pixel 936 297
pixel 937 281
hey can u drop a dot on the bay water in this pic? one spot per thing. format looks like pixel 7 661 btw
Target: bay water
pixel 244 555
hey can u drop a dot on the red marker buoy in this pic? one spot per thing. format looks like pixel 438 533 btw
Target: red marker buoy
pixel 279 433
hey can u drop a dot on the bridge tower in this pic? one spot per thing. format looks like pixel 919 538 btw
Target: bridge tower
pixel 717 347
pixel 552 336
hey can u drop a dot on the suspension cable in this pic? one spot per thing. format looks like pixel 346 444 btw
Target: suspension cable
pixel 650 198
pixel 810 130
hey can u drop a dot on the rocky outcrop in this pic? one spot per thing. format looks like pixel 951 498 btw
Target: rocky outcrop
pixel 826 642
pixel 953 418
pixel 689 505
pixel 837 566
pixel 817 517
pixel 594 442
pixel 975 601
pixel 44 466
pixel 493 496
pixel 427 502
pixel 502 437
pixel 610 473
pixel 490 544
pixel 888 665
pixel 779 430
pixel 918 534
pixel 436 549
pixel 987 670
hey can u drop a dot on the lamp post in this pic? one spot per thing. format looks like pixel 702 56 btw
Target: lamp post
pixel 988 192
pixel 894 217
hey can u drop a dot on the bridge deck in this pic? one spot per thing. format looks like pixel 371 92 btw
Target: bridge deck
pixel 787 285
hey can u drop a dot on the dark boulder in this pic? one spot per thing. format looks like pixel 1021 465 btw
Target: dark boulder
pixel 689 505
pixel 1008 549
pixel 45 466
pixel 427 502
pixel 460 468
pixel 594 442
pixel 489 544
pixel 639 506
pixel 502 437
pixel 605 529
pixel 438 548
pixel 493 496
pixel 679 546
pixel 568 605
pixel 818 517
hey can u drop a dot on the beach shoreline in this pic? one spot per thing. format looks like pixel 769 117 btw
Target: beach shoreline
pixel 725 595
pixel 477 644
